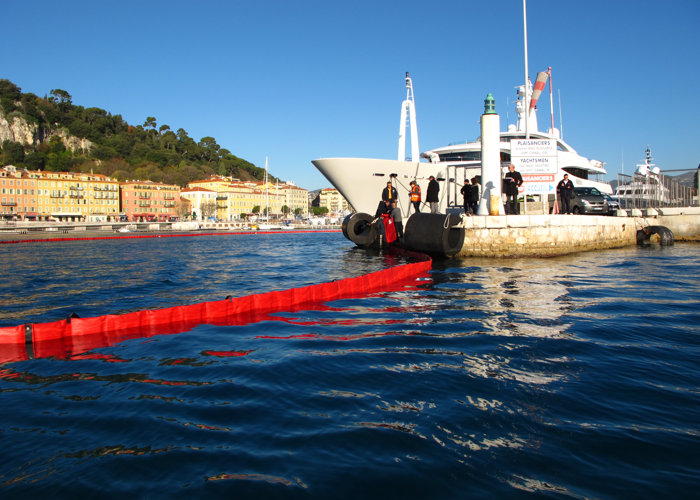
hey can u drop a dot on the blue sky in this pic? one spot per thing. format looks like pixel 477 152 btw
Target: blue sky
pixel 300 80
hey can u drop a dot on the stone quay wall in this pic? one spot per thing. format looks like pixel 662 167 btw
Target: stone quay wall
pixel 551 235
pixel 684 222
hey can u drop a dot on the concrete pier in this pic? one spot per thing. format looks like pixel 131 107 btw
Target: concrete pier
pixel 551 235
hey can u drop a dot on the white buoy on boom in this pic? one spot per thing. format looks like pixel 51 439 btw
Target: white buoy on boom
pixel 408 119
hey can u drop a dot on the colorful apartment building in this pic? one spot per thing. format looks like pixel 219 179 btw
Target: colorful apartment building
pixel 17 194
pixel 200 203
pixel 63 196
pixel 83 197
pixel 333 201
pixel 236 199
pixel 150 201
pixel 72 196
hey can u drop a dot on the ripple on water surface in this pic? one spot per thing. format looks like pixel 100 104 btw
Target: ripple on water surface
pixel 562 377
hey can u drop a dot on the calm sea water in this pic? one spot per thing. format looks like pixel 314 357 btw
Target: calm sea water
pixel 571 377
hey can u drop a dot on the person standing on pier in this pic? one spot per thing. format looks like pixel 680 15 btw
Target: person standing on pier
pixel 513 180
pixel 389 193
pixel 398 221
pixel 565 190
pixel 415 196
pixel 467 194
pixel 432 195
pixel 476 195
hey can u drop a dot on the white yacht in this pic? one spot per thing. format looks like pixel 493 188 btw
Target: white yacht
pixel 645 188
pixel 361 180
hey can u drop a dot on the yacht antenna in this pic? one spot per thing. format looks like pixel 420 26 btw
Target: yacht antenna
pixel 623 161
pixel 526 97
pixel 408 119
pixel 561 118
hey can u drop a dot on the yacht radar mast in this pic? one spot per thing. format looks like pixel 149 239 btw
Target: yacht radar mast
pixel 525 123
pixel 408 119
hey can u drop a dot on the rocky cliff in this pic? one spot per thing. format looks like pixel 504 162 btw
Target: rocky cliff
pixel 15 128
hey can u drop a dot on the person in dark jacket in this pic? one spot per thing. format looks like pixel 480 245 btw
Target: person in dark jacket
pixel 476 194
pixel 467 194
pixel 432 195
pixel 389 193
pixel 565 190
pixel 513 180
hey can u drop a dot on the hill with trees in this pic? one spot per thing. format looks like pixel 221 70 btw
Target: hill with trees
pixel 51 133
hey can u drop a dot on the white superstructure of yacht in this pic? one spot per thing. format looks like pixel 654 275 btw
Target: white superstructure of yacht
pixel 646 187
pixel 361 180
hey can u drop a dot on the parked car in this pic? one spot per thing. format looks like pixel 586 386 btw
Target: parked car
pixel 588 200
pixel 612 203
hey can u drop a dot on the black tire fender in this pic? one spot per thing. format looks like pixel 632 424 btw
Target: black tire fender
pixel 437 234
pixel 359 229
pixel 665 235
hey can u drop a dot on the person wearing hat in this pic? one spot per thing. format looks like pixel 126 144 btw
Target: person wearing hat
pixel 415 195
pixel 432 195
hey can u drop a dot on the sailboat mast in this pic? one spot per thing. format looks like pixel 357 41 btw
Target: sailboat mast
pixel 267 195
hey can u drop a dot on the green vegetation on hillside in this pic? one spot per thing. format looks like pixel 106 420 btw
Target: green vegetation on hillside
pixel 120 150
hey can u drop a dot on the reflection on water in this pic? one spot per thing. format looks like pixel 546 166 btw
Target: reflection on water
pixel 565 377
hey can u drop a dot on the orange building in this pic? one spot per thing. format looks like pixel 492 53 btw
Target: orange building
pixel 18 194
pixel 150 201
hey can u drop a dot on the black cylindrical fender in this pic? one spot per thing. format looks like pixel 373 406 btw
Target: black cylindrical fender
pixel 436 234
pixel 665 235
pixel 359 229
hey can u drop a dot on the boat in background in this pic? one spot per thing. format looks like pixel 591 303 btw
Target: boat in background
pixel 645 188
pixel 361 180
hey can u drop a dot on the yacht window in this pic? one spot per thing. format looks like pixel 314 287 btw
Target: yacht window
pixel 461 156
pixel 577 172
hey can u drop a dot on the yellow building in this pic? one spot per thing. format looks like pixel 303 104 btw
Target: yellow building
pixel 235 198
pixel 333 201
pixel 72 196
pixel 296 198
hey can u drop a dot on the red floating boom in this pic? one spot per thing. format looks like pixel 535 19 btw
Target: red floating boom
pixel 77 335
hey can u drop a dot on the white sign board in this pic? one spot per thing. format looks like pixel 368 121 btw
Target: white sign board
pixel 536 160
pixel 532 165
pixel 533 147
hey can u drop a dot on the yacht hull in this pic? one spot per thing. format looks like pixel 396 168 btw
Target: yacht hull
pixel 361 180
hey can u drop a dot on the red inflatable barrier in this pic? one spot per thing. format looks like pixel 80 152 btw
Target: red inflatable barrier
pixel 77 335
pixel 179 235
